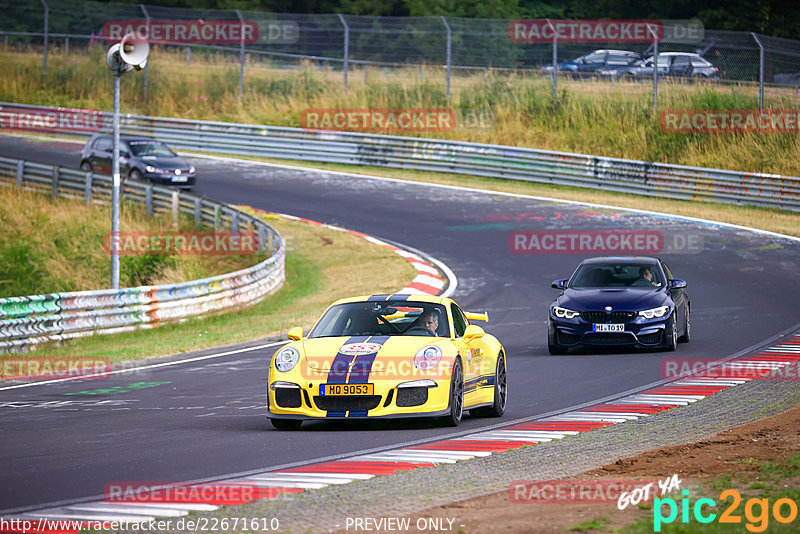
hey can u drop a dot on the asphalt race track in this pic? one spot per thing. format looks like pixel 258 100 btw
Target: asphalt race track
pixel 205 419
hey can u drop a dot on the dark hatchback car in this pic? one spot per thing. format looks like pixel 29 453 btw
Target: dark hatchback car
pixel 619 301
pixel 140 158
pixel 588 65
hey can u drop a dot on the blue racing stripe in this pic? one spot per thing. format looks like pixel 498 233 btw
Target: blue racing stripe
pixel 339 368
pixel 377 297
pixel 362 366
pixel 399 296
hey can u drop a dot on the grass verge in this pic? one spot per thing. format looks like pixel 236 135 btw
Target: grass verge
pixel 591 117
pixel 55 246
pixel 321 266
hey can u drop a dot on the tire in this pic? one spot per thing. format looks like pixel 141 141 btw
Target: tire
pixel 456 404
pixel 286 424
pixel 136 175
pixel 555 349
pixel 687 330
pixel 86 166
pixel 498 407
pixel 671 334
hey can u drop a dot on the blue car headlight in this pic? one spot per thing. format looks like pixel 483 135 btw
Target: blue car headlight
pixel 564 313
pixel 286 359
pixel 653 313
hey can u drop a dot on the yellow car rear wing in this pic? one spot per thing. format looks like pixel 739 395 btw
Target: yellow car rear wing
pixel 472 316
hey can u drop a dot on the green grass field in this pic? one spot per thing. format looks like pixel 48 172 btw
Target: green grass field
pixel 595 117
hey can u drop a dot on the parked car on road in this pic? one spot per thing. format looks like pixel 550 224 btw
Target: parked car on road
pixel 677 64
pixel 140 158
pixel 587 65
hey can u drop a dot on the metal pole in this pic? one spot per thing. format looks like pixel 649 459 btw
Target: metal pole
pixel 449 53
pixel 760 72
pixel 346 49
pixel 555 62
pixel 146 67
pixel 115 190
pixel 46 31
pixel 241 57
pixel 655 69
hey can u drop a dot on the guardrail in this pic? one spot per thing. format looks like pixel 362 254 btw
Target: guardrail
pixel 434 155
pixel 58 316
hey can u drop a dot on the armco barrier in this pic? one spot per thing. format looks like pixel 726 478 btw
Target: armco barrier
pixel 433 155
pixel 57 316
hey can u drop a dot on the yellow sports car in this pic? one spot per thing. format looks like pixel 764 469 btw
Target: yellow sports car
pixel 385 356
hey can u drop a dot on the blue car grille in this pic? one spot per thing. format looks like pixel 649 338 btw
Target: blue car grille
pixel 606 317
pixel 609 338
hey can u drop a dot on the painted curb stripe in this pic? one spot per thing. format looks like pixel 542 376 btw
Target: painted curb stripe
pixel 272 484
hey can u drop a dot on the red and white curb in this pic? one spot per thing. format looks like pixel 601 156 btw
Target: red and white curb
pixel 429 279
pixel 448 451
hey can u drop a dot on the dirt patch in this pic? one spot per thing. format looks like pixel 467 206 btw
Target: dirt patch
pixel 738 452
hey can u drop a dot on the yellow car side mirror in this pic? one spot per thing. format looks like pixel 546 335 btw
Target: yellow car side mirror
pixel 473 332
pixel 295 333
pixel 472 316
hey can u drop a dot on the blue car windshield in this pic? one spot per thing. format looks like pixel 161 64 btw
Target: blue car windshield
pixel 383 318
pixel 599 275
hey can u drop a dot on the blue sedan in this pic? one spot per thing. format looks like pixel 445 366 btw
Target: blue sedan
pixel 619 301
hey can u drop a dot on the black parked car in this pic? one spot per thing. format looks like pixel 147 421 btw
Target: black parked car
pixel 622 301
pixel 140 158
pixel 589 64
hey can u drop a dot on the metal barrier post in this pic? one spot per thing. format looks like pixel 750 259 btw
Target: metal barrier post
pixel 655 69
pixel 46 32
pixel 346 49
pixel 147 66
pixel 449 53
pixel 176 198
pixel 56 176
pixel 66 45
pixel 366 74
pixel 148 199
pixel 188 55
pixel 20 172
pixel 235 222
pixel 217 217
pixel 555 62
pixel 760 72
pixel 87 188
pixel 262 238
pixel 198 212
pixel 241 57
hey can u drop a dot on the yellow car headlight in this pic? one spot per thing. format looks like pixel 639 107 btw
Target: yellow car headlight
pixel 286 359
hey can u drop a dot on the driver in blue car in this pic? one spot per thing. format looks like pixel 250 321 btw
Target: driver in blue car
pixel 645 277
